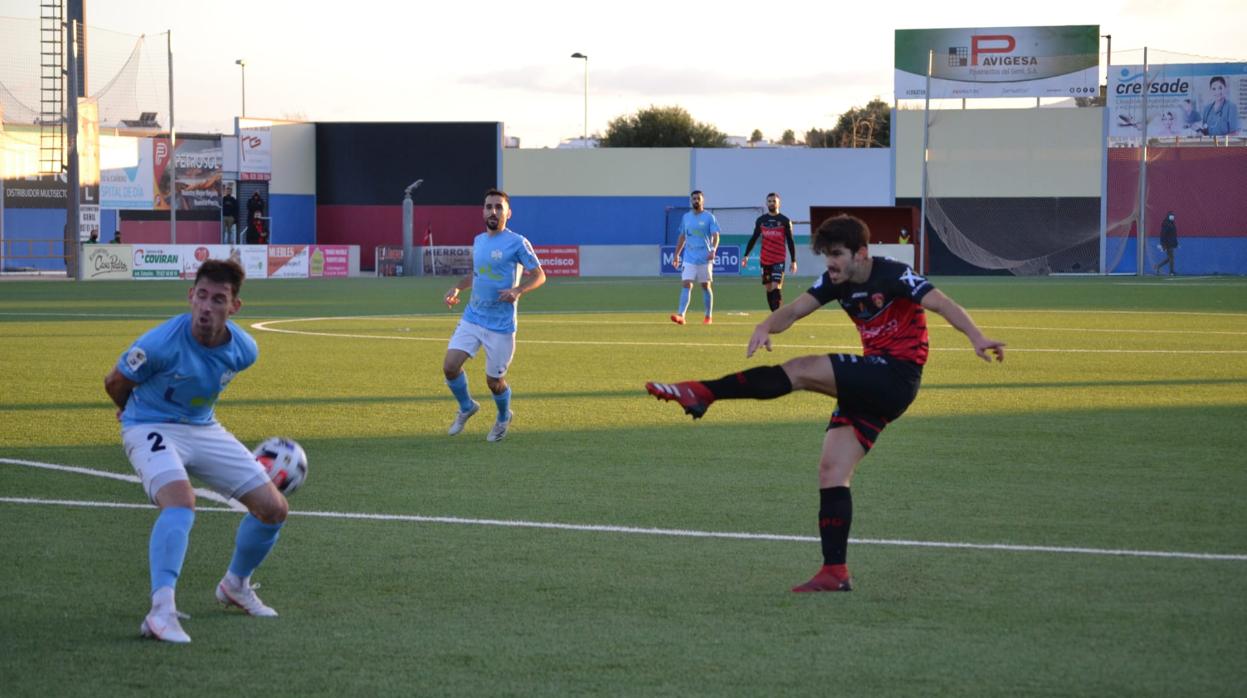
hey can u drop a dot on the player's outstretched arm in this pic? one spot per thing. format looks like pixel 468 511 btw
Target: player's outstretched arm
pixel 958 317
pixel 779 321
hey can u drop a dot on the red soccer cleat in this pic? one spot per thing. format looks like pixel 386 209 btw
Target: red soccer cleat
pixel 677 319
pixel 692 396
pixel 707 321
pixel 826 580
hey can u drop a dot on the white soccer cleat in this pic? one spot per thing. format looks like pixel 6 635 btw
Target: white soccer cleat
pixel 499 432
pixel 165 626
pixel 461 419
pixel 243 596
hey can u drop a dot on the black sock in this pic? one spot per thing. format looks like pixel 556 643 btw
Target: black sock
pixel 835 514
pixel 762 383
pixel 774 299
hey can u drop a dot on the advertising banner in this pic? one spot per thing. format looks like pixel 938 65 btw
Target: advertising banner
pixel 108 262
pixel 330 261
pixel 36 192
pixel 157 261
pixel 999 62
pixel 162 173
pixel 199 173
pixel 559 261
pixel 726 261
pixel 88 221
pixel 255 153
pixel 287 261
pixel 130 188
pixel 1184 100
pixel 447 260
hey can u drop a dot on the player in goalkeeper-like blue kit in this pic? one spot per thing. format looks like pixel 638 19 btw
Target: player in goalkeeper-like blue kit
pixel 166 386
pixel 498 257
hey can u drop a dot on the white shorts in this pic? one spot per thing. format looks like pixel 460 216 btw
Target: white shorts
pixel 701 273
pixel 164 453
pixel 499 346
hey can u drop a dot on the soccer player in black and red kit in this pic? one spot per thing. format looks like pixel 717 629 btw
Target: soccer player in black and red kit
pixel 887 302
pixel 776 231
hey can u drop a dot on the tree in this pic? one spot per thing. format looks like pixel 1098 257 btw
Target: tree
pixel 818 138
pixel 789 138
pixel 661 127
pixel 755 137
pixel 864 127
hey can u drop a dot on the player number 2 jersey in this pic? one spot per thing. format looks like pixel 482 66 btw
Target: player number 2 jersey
pixel 886 309
pixel 178 378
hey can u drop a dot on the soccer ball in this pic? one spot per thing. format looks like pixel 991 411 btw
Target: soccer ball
pixel 284 461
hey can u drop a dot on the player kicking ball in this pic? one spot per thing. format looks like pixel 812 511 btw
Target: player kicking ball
pixel 886 301
pixel 165 387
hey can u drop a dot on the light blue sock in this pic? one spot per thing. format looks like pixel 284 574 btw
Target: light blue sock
pixel 459 388
pixel 707 297
pixel 684 293
pixel 255 538
pixel 167 549
pixel 503 401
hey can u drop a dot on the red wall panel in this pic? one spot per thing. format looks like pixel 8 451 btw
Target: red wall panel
pixel 370 226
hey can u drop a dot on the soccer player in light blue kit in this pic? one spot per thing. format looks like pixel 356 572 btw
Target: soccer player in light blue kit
pixel 166 386
pixel 698 241
pixel 498 257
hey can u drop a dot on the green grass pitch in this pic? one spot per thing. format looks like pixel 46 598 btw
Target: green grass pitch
pixel 1116 423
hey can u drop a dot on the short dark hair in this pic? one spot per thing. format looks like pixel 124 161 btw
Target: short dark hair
pixel 696 191
pixel 769 195
pixel 498 192
pixel 850 231
pixel 1217 78
pixel 222 271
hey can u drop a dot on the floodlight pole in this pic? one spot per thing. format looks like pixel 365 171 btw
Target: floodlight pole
pixel 73 235
pixel 173 149
pixel 1141 237
pixel 242 63
pixel 585 133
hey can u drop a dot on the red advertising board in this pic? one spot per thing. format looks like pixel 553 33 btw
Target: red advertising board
pixel 559 261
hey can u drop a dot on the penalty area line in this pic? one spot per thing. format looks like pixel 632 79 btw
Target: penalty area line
pixel 669 532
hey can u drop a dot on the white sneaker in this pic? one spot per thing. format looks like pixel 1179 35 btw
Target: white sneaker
pixel 165 626
pixel 243 596
pixel 462 418
pixel 500 428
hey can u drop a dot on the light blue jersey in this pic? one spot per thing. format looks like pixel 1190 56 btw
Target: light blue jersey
pixel 496 263
pixel 697 229
pixel 178 378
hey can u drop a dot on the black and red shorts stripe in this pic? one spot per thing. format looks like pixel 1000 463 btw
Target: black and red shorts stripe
pixel 873 391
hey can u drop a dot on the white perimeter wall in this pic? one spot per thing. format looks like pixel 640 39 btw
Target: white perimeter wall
pixel 803 177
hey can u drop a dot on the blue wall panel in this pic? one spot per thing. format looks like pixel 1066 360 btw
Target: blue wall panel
pixel 1194 256
pixel 592 220
pixel 294 218
pixel 32 234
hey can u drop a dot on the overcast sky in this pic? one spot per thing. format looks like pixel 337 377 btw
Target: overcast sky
pixel 737 65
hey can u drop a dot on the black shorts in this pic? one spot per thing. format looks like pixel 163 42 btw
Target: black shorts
pixel 773 273
pixel 872 392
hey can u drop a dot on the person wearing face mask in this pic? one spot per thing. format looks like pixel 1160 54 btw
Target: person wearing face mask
pixel 1168 241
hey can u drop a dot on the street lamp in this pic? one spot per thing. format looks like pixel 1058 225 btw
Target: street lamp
pixel 242 63
pixel 586 129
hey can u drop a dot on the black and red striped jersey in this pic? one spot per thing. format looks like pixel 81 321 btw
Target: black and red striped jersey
pixel 776 233
pixel 886 308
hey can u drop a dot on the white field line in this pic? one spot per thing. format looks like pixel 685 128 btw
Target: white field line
pixel 205 493
pixel 267 327
pixel 628 530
